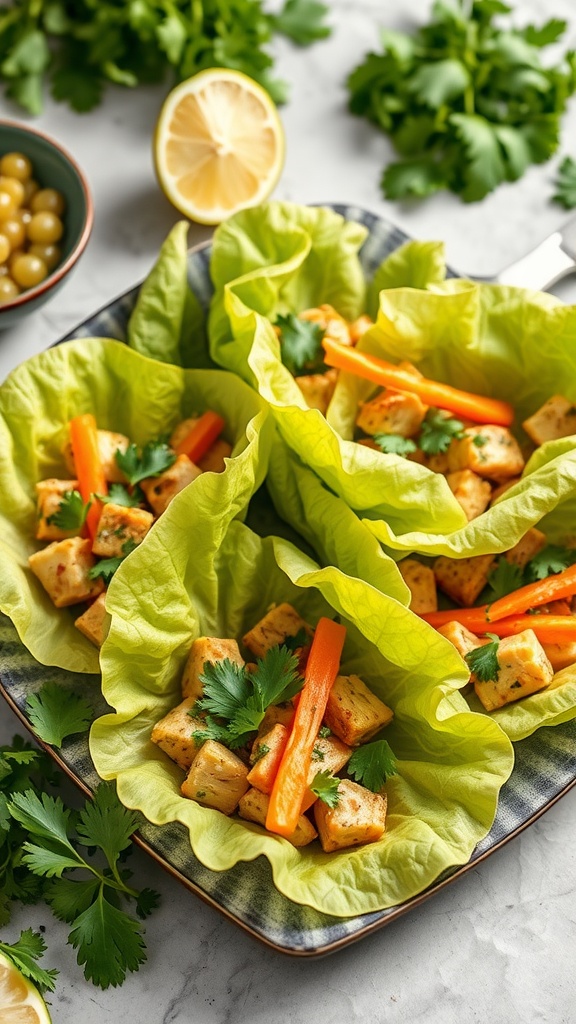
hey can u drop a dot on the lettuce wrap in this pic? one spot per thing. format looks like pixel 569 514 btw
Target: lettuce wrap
pixel 201 580
pixel 127 393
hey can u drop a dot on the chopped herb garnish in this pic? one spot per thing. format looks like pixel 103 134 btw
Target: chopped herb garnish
pixel 371 764
pixel 118 494
pixel 106 567
pixel 325 731
pixel 261 751
pixel 483 661
pixel 552 559
pixel 299 640
pixel 480 440
pixel 504 578
pixel 395 444
pixel 71 513
pixel 301 345
pixel 325 787
pixel 318 754
pixel 154 458
pixel 438 430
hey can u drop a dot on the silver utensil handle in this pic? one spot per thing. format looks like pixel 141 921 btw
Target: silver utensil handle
pixel 553 259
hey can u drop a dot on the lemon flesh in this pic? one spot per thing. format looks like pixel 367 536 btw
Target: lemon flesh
pixel 219 145
pixel 20 1002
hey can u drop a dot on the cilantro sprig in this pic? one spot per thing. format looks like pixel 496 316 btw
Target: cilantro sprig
pixel 483 661
pixel 395 444
pixel 25 953
pixel 552 559
pixel 466 100
pixel 565 193
pixel 372 763
pixel 71 513
pixel 438 430
pixel 325 787
pixel 57 713
pixel 504 578
pixel 138 464
pixel 301 345
pixel 106 567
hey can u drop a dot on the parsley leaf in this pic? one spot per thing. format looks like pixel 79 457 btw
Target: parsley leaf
pixel 56 713
pixel 438 430
pixel 371 764
pixel 552 559
pixel 154 458
pixel 325 787
pixel 301 345
pixel 71 513
pixel 565 193
pixel 504 578
pixel 24 954
pixel 106 567
pixel 483 661
pixel 120 495
pixel 395 444
pixel 301 21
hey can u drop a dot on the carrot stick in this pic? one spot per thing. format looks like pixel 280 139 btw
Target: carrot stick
pixel 553 588
pixel 443 396
pixel 552 629
pixel 475 619
pixel 291 782
pixel 201 436
pixel 91 480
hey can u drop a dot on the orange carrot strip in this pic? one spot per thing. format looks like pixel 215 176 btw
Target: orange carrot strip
pixel 263 772
pixel 201 436
pixel 553 588
pixel 474 619
pixel 91 481
pixel 552 629
pixel 291 782
pixel 443 396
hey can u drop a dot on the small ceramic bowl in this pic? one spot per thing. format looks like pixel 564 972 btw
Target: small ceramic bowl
pixel 53 168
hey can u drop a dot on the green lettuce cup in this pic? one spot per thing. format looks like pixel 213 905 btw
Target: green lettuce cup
pixel 452 762
pixel 127 393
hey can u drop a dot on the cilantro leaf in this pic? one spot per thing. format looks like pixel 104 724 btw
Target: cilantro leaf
pixel 213 731
pixel 226 688
pixel 106 567
pixel 552 559
pixel 371 764
pixel 301 21
pixel 105 823
pixel 565 193
pixel 299 640
pixel 301 345
pixel 325 787
pixel 504 578
pixel 275 678
pixel 154 458
pixel 120 495
pixel 24 954
pixel 56 713
pixel 109 942
pixel 71 513
pixel 483 661
pixel 395 444
pixel 438 430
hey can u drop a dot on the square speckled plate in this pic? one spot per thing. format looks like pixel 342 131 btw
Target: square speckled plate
pixel 545 766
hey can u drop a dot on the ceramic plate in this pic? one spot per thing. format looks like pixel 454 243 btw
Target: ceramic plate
pixel 545 766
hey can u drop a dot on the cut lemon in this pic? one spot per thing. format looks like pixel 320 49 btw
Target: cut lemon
pixel 219 145
pixel 20 1002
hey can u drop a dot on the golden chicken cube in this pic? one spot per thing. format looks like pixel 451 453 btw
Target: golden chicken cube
pixel 438 463
pixel 318 389
pixel 328 755
pixel 462 638
pixel 358 818
pixel 392 412
pixel 160 490
pixel 118 526
pixel 213 460
pixel 359 327
pixel 529 545
pixel 253 806
pixel 278 624
pixel 181 430
pixel 335 327
pixel 206 649
pixel 173 733
pixel 471 491
pixel 463 579
pixel 556 418
pixel 62 568
pixel 49 494
pixel 108 444
pixel 421 583
pixel 94 622
pixel 282 714
pixel 217 778
pixel 560 655
pixel 488 450
pixel 353 712
pixel 523 668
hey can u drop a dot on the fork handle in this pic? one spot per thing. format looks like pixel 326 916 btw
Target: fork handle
pixel 553 259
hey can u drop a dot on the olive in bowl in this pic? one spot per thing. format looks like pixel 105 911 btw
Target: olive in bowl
pixel 46 216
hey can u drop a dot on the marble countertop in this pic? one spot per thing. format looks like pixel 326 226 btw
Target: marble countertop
pixel 497 944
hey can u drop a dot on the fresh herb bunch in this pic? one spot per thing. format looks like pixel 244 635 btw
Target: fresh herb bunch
pixel 505 576
pixel 78 46
pixel 565 193
pixel 467 102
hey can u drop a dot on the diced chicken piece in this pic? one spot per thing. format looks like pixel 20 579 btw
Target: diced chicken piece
pixel 94 622
pixel 213 460
pixel 471 491
pixel 392 412
pixel 421 583
pixel 358 818
pixel 353 712
pixel 462 638
pixel 118 526
pixel 529 545
pixel 335 327
pixel 173 733
pixel 49 495
pixel 278 624
pixel 217 778
pixel 318 388
pixel 181 430
pixel 253 806
pixel 488 450
pixel 108 444
pixel 560 655
pixel 438 463
pixel 359 327
pixel 418 456
pixel 267 751
pixel 523 669
pixel 206 649
pixel 282 713
pixel 329 755
pixel 556 418
pixel 463 579
pixel 63 568
pixel 160 490
pixel 502 488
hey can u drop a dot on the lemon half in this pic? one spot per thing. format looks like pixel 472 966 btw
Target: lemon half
pixel 20 1002
pixel 218 146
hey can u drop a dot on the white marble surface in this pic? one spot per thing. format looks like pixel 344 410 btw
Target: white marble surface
pixel 496 945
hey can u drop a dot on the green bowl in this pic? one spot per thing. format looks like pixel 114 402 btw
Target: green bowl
pixel 53 168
